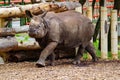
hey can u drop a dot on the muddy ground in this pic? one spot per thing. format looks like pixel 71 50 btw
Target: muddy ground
pixel 64 70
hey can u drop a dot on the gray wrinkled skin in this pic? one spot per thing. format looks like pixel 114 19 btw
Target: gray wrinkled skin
pixel 68 29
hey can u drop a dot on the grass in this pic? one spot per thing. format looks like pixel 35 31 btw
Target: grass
pixel 98 52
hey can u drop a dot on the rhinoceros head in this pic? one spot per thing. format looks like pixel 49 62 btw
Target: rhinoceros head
pixel 37 27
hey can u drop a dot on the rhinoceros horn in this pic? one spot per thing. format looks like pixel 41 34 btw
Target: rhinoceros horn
pixel 43 14
pixel 28 14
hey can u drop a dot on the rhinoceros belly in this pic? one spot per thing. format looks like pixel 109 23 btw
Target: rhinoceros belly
pixel 71 43
pixel 71 39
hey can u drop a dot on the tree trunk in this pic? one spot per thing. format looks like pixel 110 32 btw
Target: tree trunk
pixel 117 5
pixel 97 30
pixel 82 2
pixel 93 4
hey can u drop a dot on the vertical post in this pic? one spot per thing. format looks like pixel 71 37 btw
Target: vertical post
pixel 89 12
pixel 89 15
pixel 9 2
pixel 78 9
pixel 114 35
pixel 104 33
pixel 2 22
pixel 105 2
pixel 22 20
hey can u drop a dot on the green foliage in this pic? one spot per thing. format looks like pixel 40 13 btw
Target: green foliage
pixel 119 54
pixel 98 52
pixel 22 37
pixel 96 45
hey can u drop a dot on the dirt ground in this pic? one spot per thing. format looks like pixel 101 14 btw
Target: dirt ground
pixel 64 70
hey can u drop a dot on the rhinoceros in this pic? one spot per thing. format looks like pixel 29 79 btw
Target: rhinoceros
pixel 69 29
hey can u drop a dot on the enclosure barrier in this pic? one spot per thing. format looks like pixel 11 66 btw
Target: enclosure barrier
pixel 104 33
pixel 114 34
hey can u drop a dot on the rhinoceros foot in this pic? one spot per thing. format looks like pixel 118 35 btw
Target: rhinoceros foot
pixel 95 59
pixel 40 63
pixel 76 62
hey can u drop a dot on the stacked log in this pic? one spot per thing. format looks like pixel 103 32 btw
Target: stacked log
pixel 11 43
pixel 12 31
pixel 19 11
pixel 22 55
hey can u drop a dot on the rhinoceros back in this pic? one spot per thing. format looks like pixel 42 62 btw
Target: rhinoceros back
pixel 75 29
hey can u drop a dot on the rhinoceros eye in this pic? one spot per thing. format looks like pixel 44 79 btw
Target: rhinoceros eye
pixel 41 25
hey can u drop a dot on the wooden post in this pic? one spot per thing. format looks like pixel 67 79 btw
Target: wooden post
pixel 104 33
pixel 114 35
pixel 89 12
pixel 79 9
pixel 2 22
pixel 89 15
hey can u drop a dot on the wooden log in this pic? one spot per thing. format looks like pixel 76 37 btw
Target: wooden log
pixel 17 56
pixel 7 44
pixel 7 32
pixel 114 34
pixel 104 33
pixel 12 31
pixel 27 45
pixel 11 43
pixel 19 11
pixel 4 56
pixel 23 55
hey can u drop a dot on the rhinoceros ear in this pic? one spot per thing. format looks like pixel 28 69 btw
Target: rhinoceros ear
pixel 28 14
pixel 43 14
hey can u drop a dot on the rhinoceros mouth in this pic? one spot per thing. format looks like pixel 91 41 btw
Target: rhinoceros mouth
pixel 38 33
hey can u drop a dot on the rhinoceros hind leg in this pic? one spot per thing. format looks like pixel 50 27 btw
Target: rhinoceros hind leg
pixel 79 55
pixel 40 63
pixel 90 48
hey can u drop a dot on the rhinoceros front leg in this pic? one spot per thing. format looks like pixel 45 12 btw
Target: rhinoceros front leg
pixel 79 55
pixel 45 53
